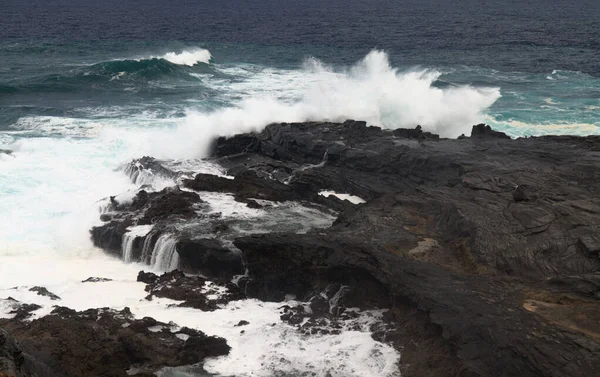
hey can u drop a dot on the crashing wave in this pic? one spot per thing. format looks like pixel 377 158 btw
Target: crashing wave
pixel 372 90
pixel 188 57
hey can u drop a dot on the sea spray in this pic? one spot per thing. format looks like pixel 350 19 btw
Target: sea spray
pixel 372 90
pixel 189 57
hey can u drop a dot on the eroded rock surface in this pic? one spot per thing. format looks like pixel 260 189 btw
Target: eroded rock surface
pixel 104 342
pixel 15 362
pixel 484 250
pixel 443 241
pixel 195 291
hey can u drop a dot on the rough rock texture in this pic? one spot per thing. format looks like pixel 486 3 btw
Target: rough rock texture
pixel 195 291
pixel 485 250
pixel 499 285
pixel 247 185
pixel 42 291
pixel 14 362
pixel 103 342
pixel 95 280
pixel 168 205
pixel 202 236
pixel 147 167
pixel 19 310
pixel 210 256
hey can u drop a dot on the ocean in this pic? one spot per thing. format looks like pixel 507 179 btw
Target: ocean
pixel 87 86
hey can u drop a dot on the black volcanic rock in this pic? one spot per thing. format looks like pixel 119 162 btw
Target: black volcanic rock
pixel 485 131
pixel 416 133
pixel 104 342
pixel 42 291
pixel 209 257
pixel 15 362
pixel 170 202
pixel 246 185
pixel 95 280
pixel 19 310
pixel 519 194
pixel 146 208
pixel 147 277
pixel 484 250
pixel 109 236
pixel 444 240
pixel 195 291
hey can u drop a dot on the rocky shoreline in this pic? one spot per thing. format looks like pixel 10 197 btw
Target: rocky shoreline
pixel 484 251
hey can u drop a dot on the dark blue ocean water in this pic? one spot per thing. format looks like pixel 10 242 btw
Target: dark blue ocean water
pixel 87 85
pixel 511 35
pixel 543 55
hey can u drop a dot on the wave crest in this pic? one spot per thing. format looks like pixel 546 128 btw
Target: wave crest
pixel 371 90
pixel 188 57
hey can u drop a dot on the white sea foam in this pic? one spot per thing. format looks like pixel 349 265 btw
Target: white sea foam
pixel 53 181
pixel 273 217
pixel 267 347
pixel 49 192
pixel 187 57
pixel 520 129
pixel 351 198
pixel 372 90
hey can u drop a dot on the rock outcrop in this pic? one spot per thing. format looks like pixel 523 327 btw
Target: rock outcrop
pixel 100 342
pixel 506 284
pixel 485 250
pixel 194 291
pixel 14 362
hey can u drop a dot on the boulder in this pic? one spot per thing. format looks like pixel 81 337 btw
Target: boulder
pixel 104 342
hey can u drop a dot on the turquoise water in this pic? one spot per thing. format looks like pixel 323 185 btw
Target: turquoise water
pixel 87 86
pixel 80 109
pixel 85 79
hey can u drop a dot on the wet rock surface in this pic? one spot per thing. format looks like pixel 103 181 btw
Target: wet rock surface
pixel 143 169
pixel 195 291
pixel 444 241
pixel 96 280
pixel 202 238
pixel 484 250
pixel 104 342
pixel 19 310
pixel 15 362
pixel 42 291
pixel 210 256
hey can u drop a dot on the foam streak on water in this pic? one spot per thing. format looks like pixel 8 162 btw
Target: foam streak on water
pixel 72 125
pixel 266 348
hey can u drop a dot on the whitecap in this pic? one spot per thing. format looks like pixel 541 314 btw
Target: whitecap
pixel 188 57
pixel 371 90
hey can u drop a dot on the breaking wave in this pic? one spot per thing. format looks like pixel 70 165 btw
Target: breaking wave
pixel 153 65
pixel 371 90
pixel 141 72
pixel 188 57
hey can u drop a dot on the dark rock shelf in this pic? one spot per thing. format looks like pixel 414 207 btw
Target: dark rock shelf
pixel 484 250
